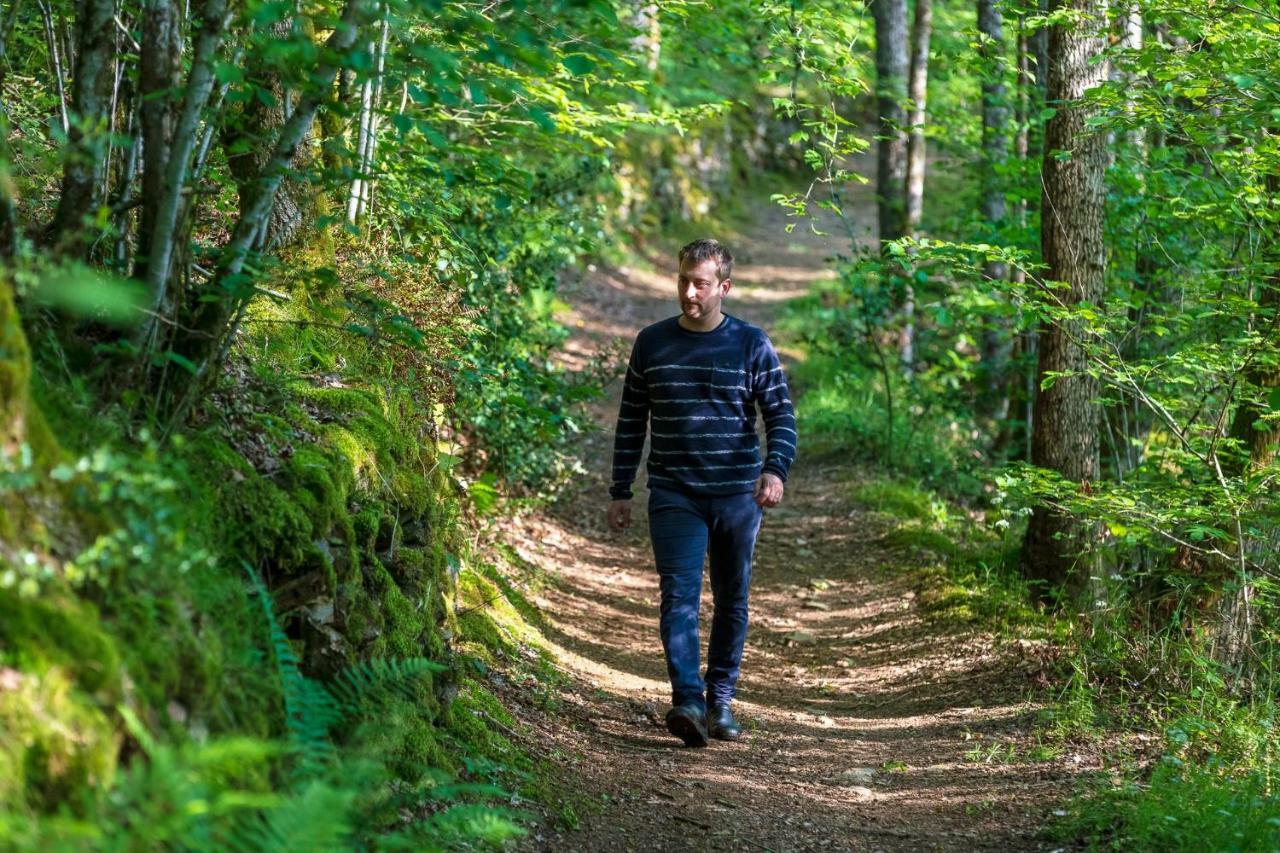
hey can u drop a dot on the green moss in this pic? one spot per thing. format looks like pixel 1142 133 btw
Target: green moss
pixel 900 500
pixel 61 630
pixel 404 626
pixel 471 719
pixel 57 742
pixel 922 539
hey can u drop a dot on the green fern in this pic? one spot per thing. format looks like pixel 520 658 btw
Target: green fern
pixel 371 682
pixel 310 712
pixel 314 710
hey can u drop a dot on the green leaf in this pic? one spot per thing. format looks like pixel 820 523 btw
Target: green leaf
pixel 578 63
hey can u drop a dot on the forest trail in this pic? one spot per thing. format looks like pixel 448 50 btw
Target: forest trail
pixel 868 728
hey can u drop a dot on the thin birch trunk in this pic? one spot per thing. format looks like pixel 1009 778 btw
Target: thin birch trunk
pixel 375 119
pixel 996 343
pixel 55 63
pixel 183 142
pixel 917 91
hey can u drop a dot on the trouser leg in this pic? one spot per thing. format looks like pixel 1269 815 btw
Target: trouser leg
pixel 678 529
pixel 734 525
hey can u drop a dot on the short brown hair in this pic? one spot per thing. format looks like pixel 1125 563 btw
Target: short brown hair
pixel 706 249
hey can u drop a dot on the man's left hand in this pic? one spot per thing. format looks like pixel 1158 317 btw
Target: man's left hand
pixel 768 491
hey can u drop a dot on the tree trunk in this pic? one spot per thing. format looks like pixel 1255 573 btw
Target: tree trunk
pixel 1059 550
pixel 360 192
pixel 891 96
pixel 996 343
pixel 918 90
pixel 294 200
pixel 182 144
pixel 647 43
pixel 211 319
pixel 82 183
pixel 159 76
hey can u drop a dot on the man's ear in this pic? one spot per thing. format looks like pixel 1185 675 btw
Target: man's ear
pixel 728 285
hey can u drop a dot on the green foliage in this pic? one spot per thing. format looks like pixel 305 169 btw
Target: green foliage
pixel 1180 807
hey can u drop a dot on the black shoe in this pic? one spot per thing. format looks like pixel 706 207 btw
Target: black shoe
pixel 689 723
pixel 721 723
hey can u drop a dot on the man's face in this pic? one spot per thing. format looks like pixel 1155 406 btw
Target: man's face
pixel 700 288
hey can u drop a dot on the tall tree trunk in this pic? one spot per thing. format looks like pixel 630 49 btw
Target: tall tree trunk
pixel 1059 550
pixel 917 89
pixel 996 343
pixel 160 66
pixel 183 143
pixel 891 97
pixel 360 192
pixel 82 173
pixel 647 43
pixel 891 155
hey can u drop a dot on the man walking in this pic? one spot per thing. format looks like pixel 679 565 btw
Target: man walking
pixel 694 383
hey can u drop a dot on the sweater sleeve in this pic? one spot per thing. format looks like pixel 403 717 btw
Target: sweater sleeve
pixel 633 422
pixel 771 395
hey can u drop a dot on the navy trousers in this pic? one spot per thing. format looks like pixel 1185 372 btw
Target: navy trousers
pixel 684 529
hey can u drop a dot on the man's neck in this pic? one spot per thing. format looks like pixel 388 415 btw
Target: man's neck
pixel 705 325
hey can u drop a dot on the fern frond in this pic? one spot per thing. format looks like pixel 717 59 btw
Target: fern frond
pixel 310 712
pixel 370 682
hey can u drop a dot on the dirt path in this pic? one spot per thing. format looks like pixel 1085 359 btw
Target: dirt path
pixel 868 728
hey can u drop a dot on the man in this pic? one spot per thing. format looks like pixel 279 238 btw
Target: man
pixel 694 383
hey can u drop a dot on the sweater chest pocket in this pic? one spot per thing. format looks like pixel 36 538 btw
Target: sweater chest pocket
pixel 724 381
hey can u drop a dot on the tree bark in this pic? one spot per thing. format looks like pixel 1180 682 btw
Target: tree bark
pixel 918 89
pixel 159 75
pixel 996 343
pixel 647 43
pixel 1059 550
pixel 82 183
pixel 294 200
pixel 181 145
pixel 891 96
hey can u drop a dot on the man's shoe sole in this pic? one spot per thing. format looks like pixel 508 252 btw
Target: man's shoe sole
pixel 687 730
pixel 720 734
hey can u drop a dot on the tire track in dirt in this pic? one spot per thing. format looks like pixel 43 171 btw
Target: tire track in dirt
pixel 862 717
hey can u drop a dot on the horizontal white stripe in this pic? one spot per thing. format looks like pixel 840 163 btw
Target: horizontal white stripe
pixel 695 400
pixel 770 370
pixel 699 434
pixel 705 467
pixel 785 401
pixel 644 405
pixel 698 384
pixel 629 434
pixel 701 418
pixel 705 452
pixel 622 450
pixel 774 441
pixel 693 367
pixel 783 429
pixel 632 420
pixel 773 388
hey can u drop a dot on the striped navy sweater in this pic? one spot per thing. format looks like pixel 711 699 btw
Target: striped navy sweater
pixel 696 394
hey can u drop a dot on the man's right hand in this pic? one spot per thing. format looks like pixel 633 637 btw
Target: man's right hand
pixel 620 514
